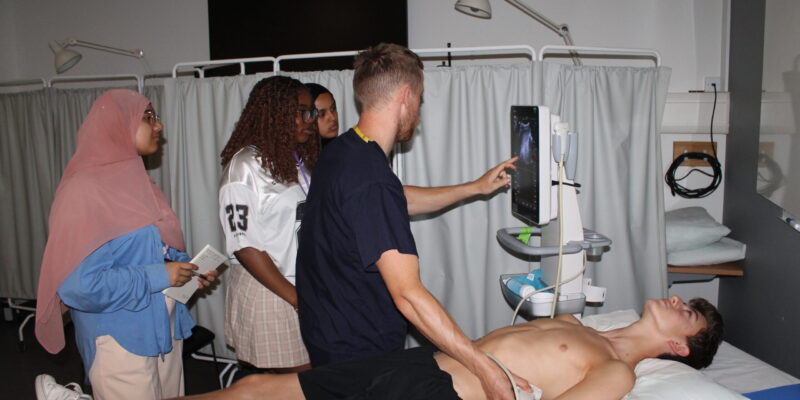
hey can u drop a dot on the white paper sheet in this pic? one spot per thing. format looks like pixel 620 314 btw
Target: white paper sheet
pixel 206 260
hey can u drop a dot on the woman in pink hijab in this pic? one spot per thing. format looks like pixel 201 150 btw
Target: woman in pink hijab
pixel 114 244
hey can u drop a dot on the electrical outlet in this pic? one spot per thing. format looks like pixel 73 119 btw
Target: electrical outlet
pixel 679 148
pixel 710 81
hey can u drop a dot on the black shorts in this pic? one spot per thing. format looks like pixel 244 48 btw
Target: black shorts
pixel 401 375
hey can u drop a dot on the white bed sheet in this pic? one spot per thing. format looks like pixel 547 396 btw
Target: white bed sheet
pixel 741 372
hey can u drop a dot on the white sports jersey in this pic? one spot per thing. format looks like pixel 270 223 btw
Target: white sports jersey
pixel 257 211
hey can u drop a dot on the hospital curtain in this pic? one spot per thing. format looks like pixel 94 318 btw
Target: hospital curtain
pixel 38 134
pixel 27 179
pixel 617 113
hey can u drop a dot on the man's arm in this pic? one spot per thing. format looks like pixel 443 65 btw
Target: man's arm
pixel 401 274
pixel 611 380
pixel 425 200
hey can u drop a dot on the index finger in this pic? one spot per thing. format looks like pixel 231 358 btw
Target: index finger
pixel 510 163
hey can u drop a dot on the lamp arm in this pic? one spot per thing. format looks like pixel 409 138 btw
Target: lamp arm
pixel 537 16
pixel 561 29
pixel 137 53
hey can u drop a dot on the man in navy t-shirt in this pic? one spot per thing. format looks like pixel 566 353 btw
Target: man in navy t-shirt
pixel 357 267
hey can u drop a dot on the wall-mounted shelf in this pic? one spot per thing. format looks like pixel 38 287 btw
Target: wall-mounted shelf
pixel 702 273
pixel 691 113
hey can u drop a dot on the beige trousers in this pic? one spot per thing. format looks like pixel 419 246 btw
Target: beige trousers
pixel 117 374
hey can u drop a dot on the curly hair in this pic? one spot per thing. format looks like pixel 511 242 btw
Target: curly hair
pixel 268 123
pixel 703 344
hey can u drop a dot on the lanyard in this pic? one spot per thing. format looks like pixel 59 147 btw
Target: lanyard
pixel 361 134
pixel 302 171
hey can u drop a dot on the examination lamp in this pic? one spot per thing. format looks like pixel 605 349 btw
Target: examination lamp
pixel 66 59
pixel 483 9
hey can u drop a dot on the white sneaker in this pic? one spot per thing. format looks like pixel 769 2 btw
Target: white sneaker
pixel 48 389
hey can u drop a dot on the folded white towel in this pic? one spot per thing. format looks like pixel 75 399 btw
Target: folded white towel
pixel 725 250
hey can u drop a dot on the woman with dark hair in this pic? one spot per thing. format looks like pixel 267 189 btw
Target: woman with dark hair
pixel 328 119
pixel 267 170
pixel 114 245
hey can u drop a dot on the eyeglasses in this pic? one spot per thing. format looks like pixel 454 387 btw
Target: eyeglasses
pixel 151 117
pixel 308 115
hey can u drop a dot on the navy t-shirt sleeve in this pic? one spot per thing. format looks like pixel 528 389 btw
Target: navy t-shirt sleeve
pixel 378 215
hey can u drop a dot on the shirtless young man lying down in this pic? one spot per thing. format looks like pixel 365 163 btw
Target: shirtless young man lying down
pixel 560 356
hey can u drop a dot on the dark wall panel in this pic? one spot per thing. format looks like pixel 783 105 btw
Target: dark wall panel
pixel 761 309
pixel 240 29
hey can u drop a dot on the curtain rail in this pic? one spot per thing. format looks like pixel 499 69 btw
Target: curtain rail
pixel 83 78
pixel 197 65
pixel 513 49
pixel 487 50
pixel 521 49
pixel 604 51
pixel 48 82
pixel 25 82
pixel 277 66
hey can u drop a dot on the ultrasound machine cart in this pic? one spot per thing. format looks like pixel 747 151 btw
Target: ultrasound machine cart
pixel 536 201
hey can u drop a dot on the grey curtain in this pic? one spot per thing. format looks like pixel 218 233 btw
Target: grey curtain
pixel 617 112
pixel 38 133
pixel 27 182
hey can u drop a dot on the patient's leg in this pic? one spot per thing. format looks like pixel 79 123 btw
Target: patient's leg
pixel 261 387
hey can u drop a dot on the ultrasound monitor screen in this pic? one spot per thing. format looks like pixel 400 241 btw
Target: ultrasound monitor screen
pixel 529 193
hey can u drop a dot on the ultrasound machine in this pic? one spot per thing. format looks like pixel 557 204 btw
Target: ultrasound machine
pixel 544 197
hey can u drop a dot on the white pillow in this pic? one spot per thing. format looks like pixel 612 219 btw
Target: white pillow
pixel 662 379
pixel 667 380
pixel 725 250
pixel 691 228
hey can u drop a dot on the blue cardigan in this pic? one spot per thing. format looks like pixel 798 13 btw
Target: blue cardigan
pixel 116 291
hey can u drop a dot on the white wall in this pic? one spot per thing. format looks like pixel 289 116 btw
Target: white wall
pixel 689 34
pixel 168 32
pixel 8 39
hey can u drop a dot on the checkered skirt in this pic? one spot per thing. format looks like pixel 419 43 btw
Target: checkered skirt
pixel 262 327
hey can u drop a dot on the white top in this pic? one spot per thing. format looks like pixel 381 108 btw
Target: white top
pixel 257 211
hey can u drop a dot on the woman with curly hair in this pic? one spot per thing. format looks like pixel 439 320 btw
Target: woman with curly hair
pixel 267 170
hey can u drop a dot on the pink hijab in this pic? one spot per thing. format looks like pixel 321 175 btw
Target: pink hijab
pixel 104 193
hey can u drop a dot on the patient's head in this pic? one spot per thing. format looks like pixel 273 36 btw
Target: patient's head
pixel 702 346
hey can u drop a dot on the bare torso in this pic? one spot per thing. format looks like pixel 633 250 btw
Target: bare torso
pixel 551 354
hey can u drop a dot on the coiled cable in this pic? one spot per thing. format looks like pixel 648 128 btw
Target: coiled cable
pixel 685 192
